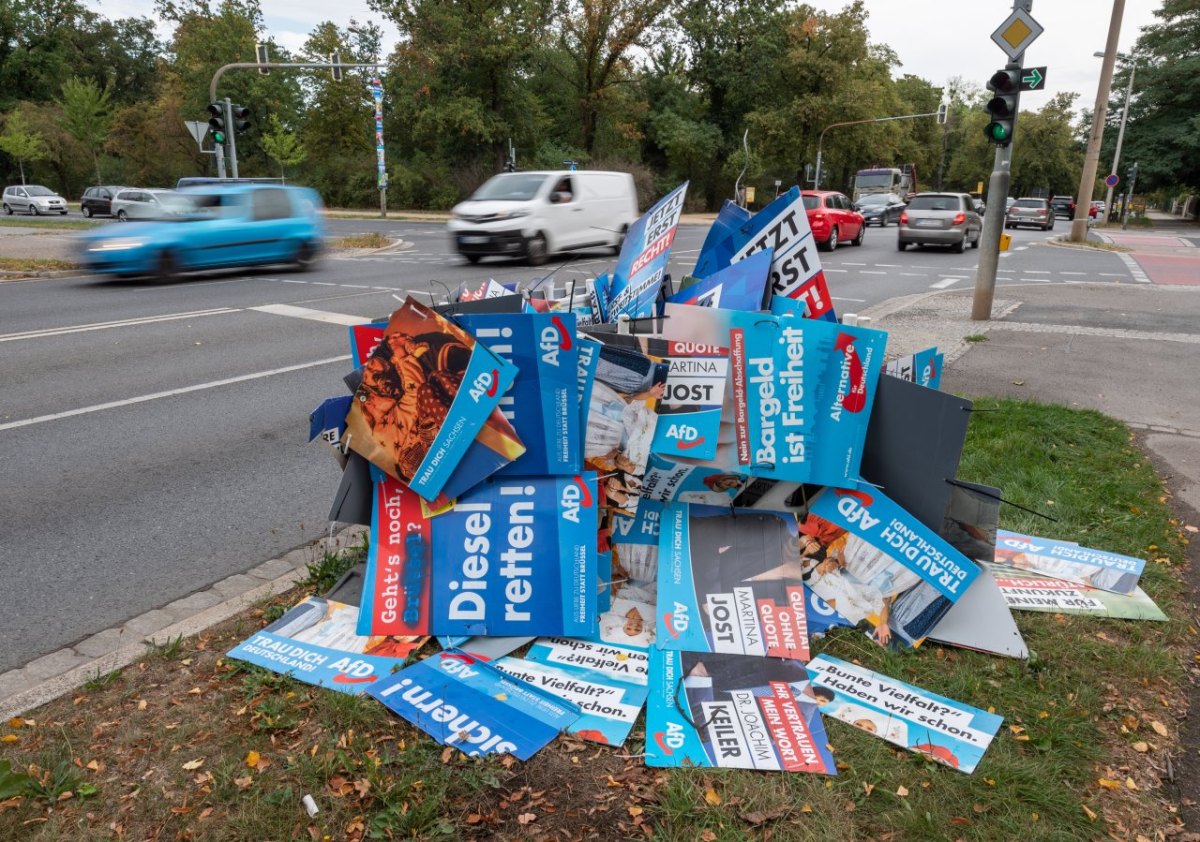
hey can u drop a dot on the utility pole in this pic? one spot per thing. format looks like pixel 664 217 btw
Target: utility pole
pixel 1120 132
pixel 1091 159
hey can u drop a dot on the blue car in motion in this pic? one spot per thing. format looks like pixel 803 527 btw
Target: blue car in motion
pixel 212 227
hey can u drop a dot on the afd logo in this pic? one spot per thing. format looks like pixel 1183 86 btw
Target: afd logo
pixel 485 384
pixel 555 337
pixel 854 398
pixel 670 740
pixel 353 671
pixel 575 496
pixel 1022 546
pixel 677 619
pixel 685 436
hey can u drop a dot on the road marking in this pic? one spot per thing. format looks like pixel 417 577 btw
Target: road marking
pixel 835 270
pixel 948 282
pixel 85 410
pixel 855 300
pixel 890 265
pixel 1038 271
pixel 1134 268
pixel 146 320
pixel 1072 273
pixel 1035 280
pixel 1110 275
pixel 848 263
pixel 311 315
pixel 869 272
pixel 355 286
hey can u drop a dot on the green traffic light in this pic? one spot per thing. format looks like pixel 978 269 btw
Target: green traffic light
pixel 996 132
pixel 219 137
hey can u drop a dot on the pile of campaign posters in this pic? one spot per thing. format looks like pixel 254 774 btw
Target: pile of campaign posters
pixel 607 491
pixel 317 642
pixel 949 732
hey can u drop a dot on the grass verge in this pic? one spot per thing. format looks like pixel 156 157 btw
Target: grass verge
pixel 49 224
pixel 189 745
pixel 371 240
pixel 34 264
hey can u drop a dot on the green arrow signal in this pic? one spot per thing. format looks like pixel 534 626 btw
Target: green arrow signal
pixel 1033 79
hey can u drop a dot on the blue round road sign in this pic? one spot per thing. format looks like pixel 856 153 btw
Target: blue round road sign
pixel 1112 180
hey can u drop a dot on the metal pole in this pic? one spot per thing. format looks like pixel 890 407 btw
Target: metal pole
pixel 1120 136
pixel 231 133
pixel 1091 160
pixel 219 151
pixel 1128 198
pixel 993 223
pixel 821 141
pixel 247 65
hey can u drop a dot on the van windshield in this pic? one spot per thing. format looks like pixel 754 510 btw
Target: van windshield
pixel 510 187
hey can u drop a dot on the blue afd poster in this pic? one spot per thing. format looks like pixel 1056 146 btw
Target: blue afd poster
pixel 846 366
pixel 743 286
pixel 317 642
pixel 1070 562
pixel 949 732
pixel 733 712
pixel 517 556
pixel 542 403
pixel 637 279
pixel 689 414
pixel 608 706
pixel 463 702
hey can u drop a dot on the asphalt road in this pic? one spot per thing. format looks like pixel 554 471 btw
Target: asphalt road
pixel 154 436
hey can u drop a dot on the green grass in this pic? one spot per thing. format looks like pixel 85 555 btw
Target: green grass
pixel 1091 689
pixel 49 224
pixel 976 337
pixel 34 264
pixel 371 240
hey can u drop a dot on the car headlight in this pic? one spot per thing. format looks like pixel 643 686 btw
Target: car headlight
pixel 117 245
pixel 515 214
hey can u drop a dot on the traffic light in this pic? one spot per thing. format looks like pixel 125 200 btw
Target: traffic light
pixel 216 121
pixel 1002 108
pixel 241 118
pixel 1131 174
pixel 336 70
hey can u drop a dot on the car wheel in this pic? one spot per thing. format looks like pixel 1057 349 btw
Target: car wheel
pixel 122 216
pixel 960 246
pixel 7 209
pixel 978 237
pixel 900 244
pixel 168 267
pixel 33 209
pixel 87 212
pixel 621 240
pixel 536 250
pixel 832 243
pixel 472 258
pixel 306 257
pixel 862 232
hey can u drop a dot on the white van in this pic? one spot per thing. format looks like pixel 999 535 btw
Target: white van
pixel 535 214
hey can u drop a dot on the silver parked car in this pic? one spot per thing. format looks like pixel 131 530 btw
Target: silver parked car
pixel 34 199
pixel 940 219
pixel 138 203
pixel 1030 212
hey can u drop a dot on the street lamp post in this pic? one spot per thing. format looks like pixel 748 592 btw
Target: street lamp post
pixel 1132 60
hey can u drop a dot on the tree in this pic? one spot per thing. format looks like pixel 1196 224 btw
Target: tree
pixel 22 142
pixel 282 146
pixel 87 115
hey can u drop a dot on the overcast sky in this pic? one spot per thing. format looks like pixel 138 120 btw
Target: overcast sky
pixel 930 41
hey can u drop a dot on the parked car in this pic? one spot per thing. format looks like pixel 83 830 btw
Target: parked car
pixel 216 226
pixel 880 208
pixel 1029 211
pixel 833 219
pixel 1064 206
pixel 940 219
pixel 979 205
pixel 140 203
pixel 97 201
pixel 32 199
pixel 535 214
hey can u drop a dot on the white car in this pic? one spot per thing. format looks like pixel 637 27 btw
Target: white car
pixel 136 203
pixel 535 214
pixel 33 199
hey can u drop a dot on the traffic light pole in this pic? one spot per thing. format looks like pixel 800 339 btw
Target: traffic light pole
pixel 232 135
pixel 821 141
pixel 993 219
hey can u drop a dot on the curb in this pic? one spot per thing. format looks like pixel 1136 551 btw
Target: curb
pixel 58 673
pixel 26 276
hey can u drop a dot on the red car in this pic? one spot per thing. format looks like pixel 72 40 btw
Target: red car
pixel 833 219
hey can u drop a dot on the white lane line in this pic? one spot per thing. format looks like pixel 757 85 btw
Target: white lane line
pixel 322 284
pixel 913 275
pixel 948 282
pixel 1072 273
pixel 869 272
pixel 1037 271
pixel 1134 268
pixel 355 286
pixel 311 315
pixel 85 410
pixel 956 277
pixel 289 281
pixel 890 265
pixel 848 263
pixel 1110 275
pixel 835 270
pixel 1035 280
pixel 146 320
pixel 855 300
pixel 1022 248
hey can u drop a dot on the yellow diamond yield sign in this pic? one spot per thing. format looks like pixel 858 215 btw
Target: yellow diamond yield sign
pixel 1017 33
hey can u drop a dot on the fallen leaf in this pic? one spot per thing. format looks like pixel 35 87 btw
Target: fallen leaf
pixel 635 811
pixel 526 818
pixel 474 818
pixel 711 797
pixel 1109 783
pixel 141 704
pixel 902 791
pixel 1159 728
pixel 805 808
pixel 708 836
pixel 243 782
pixel 9 738
pixel 1018 382
pixel 252 758
pixel 1091 814
pixel 961 821
pixel 363 787
pixel 1130 784
pixel 1034 816
pixel 763 816
pixel 1141 747
pixel 1190 528
pixel 205 813
pixel 194 764
pixel 96 765
pixel 447 753
pixel 869 788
